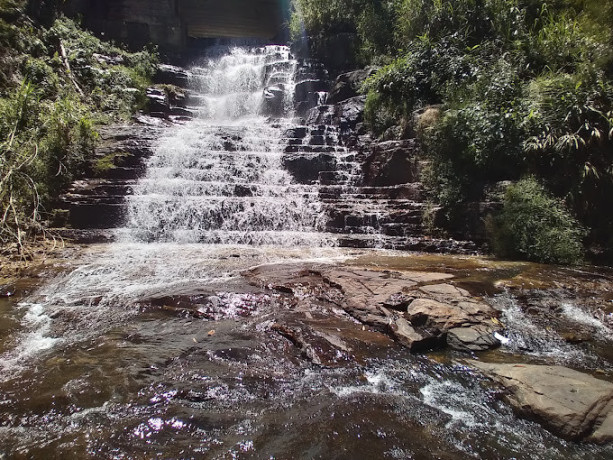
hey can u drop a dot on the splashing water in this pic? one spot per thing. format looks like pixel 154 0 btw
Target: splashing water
pixel 217 181
pixel 220 179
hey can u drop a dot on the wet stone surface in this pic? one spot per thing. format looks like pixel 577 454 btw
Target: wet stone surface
pixel 275 361
pixel 412 307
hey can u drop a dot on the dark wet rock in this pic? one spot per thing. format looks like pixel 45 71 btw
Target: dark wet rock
pixel 321 115
pixel 181 112
pixel 391 163
pixel 346 114
pixel 274 101
pixel 298 132
pixel 468 222
pixel 97 201
pixel 305 167
pixel 171 75
pixel 230 143
pixel 157 101
pixel 307 88
pixel 348 85
pixel 571 404
pixel 243 191
pixel 379 299
pixel 350 112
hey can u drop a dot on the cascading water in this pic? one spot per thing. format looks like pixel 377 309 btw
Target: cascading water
pixel 219 178
pixel 157 346
pixel 214 187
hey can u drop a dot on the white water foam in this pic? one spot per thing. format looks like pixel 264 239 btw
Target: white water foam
pixel 579 315
pixel 526 337
pixel 217 181
pixel 220 179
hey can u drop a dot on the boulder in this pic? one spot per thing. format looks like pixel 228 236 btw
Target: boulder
pixel 472 339
pixel 305 167
pixel 391 163
pixel 395 302
pixel 571 404
pixel 347 114
pixel 348 85
pixel 350 112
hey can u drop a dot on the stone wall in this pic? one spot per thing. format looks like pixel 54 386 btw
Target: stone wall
pixel 170 23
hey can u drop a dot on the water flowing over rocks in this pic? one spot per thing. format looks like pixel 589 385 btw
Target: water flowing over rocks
pixel 226 320
pixel 572 404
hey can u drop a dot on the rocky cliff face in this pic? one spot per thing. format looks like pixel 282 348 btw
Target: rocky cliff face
pixel 371 188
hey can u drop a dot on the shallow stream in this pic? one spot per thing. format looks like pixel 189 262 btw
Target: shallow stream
pixel 157 346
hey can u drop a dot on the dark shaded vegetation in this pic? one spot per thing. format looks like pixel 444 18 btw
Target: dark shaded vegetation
pixel 57 84
pixel 524 89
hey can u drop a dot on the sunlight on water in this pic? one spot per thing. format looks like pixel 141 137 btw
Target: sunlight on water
pixel 220 179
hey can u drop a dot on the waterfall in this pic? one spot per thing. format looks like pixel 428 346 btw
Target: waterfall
pixel 219 179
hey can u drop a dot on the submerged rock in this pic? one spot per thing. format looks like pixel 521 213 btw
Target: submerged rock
pixel 571 404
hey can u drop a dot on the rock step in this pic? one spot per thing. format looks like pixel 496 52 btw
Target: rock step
pixel 412 191
pixel 101 187
pixel 314 149
pixel 125 172
pixel 373 223
pixel 369 203
pixel 96 215
pixel 413 243
pixel 74 199
pixel 92 235
pixel 86 236
pixel 338 178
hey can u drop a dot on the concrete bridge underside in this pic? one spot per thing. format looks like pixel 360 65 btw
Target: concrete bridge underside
pixel 170 23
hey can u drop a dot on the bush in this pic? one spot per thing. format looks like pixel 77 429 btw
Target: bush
pixel 370 20
pixel 47 122
pixel 534 226
pixel 525 88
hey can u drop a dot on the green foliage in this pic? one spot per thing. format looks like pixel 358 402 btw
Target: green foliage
pixel 108 162
pixel 479 138
pixel 115 79
pixel 369 20
pixel 57 82
pixel 534 226
pixel 47 143
pixel 525 88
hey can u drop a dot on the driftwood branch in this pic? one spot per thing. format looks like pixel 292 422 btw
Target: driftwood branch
pixel 64 57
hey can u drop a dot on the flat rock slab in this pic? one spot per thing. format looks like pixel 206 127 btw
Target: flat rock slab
pixel 418 309
pixel 571 404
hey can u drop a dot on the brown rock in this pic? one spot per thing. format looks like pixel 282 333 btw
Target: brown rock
pixel 571 404
pixel 418 317
pixel 444 316
pixel 445 290
pixel 471 339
